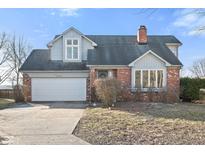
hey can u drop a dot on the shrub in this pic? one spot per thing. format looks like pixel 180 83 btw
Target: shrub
pixel 93 95
pixel 190 88
pixel 107 90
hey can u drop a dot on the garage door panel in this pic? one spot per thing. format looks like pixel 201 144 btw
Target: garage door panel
pixel 58 89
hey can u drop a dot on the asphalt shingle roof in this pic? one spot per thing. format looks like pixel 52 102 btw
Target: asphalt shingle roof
pixel 123 49
pixel 110 50
pixel 39 60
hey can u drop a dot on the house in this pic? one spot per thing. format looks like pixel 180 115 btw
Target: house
pixel 67 69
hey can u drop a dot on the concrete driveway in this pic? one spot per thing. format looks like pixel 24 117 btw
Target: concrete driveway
pixel 44 123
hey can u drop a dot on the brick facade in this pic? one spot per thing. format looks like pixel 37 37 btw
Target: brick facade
pixel 27 87
pixel 171 94
pixel 124 75
pixel 173 83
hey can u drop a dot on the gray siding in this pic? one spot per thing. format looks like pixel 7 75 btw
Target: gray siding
pixel 174 49
pixel 85 46
pixel 149 61
pixel 58 48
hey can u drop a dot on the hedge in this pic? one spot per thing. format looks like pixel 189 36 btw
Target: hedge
pixel 190 88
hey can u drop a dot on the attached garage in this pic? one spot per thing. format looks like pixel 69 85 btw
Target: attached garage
pixel 58 89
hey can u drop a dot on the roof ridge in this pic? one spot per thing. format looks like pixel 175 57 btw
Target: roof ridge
pixel 125 35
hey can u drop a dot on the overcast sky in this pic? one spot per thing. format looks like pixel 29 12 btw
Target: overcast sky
pixel 39 26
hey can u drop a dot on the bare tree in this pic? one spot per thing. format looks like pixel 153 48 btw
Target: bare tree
pixel 3 53
pixel 198 68
pixel 17 51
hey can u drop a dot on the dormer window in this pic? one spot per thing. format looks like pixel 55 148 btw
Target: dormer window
pixel 71 49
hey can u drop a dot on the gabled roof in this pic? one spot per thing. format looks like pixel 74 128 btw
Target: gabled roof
pixel 110 50
pixel 39 60
pixel 69 29
pixel 123 49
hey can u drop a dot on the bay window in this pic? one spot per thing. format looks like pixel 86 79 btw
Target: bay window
pixel 72 49
pixel 149 79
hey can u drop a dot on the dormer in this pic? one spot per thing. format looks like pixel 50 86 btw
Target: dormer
pixel 174 47
pixel 70 46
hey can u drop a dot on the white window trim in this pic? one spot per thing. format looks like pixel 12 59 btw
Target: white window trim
pixel 141 81
pixel 66 45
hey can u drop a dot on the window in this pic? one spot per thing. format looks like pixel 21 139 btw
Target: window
pixel 138 79
pixel 106 73
pixel 145 79
pixel 102 74
pixel 153 79
pixel 72 49
pixel 149 79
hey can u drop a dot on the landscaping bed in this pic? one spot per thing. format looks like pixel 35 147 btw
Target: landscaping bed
pixel 4 103
pixel 144 123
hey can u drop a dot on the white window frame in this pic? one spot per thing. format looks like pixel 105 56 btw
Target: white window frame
pixel 141 81
pixel 66 45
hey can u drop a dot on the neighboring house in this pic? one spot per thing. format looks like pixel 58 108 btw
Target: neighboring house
pixel 67 69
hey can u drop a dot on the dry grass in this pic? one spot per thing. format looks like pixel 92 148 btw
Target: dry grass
pixel 4 103
pixel 144 123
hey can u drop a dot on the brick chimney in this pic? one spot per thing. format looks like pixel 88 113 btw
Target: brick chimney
pixel 142 35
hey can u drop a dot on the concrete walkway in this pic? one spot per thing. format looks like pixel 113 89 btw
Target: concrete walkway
pixel 45 123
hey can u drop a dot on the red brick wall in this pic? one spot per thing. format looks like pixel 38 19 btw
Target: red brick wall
pixel 124 75
pixel 27 87
pixel 173 83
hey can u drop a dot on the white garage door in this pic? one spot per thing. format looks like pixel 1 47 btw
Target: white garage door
pixel 58 89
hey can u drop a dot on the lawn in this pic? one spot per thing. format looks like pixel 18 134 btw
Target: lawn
pixel 4 103
pixel 144 123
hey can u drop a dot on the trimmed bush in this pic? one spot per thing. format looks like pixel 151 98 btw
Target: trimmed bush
pixel 107 90
pixel 190 88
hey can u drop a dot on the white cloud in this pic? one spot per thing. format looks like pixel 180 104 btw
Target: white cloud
pixel 70 12
pixel 186 20
pixel 191 20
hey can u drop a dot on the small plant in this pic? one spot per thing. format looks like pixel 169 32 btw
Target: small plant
pixel 107 90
